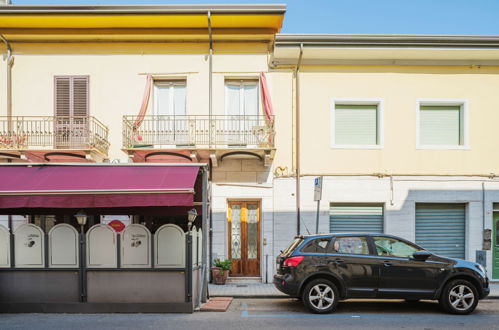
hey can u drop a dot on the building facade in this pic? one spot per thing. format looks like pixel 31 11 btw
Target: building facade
pixel 401 128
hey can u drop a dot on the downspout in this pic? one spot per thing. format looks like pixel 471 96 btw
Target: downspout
pixel 210 81
pixel 10 61
pixel 297 135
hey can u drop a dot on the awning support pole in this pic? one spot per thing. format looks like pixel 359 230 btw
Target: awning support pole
pixel 204 224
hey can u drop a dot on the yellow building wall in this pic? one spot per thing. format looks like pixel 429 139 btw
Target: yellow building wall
pixel 399 87
pixel 118 75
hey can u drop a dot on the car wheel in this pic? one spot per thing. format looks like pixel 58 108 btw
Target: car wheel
pixel 320 296
pixel 459 297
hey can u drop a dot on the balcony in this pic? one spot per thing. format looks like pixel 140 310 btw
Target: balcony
pixel 53 138
pixel 198 138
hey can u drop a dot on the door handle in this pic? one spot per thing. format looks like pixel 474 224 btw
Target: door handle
pixel 387 263
pixel 338 261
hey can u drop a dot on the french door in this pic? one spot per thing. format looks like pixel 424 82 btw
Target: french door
pixel 244 238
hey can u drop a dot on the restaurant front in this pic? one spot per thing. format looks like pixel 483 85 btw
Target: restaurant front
pixel 98 238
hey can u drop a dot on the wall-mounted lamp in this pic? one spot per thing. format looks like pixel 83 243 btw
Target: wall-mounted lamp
pixel 191 217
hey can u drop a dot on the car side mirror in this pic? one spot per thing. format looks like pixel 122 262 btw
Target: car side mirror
pixel 421 255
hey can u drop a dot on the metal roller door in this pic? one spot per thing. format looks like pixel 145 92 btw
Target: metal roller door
pixel 366 218
pixel 440 228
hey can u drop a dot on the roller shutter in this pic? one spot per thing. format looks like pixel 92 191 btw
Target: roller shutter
pixel 440 228
pixel 366 218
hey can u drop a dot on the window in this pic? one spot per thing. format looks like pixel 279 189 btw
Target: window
pixel 316 245
pixel 241 97
pixel 71 96
pixel 169 98
pixel 441 125
pixel 351 245
pixel 357 124
pixel 391 247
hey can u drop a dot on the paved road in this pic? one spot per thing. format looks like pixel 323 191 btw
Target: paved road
pixel 274 314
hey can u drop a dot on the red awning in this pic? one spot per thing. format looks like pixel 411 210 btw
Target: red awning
pixel 66 186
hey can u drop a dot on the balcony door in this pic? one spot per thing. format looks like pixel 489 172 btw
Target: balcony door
pixel 244 238
pixel 242 112
pixel 170 122
pixel 71 122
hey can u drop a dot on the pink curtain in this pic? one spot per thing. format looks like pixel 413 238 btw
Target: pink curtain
pixel 145 103
pixel 267 101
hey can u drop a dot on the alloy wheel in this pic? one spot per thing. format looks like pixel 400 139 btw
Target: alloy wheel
pixel 321 296
pixel 461 297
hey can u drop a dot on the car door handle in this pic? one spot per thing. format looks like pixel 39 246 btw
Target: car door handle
pixel 338 261
pixel 387 263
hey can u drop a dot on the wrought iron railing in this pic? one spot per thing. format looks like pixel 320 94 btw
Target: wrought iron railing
pixel 199 132
pixel 53 132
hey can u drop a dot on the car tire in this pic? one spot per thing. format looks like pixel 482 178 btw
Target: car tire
pixel 320 296
pixel 459 297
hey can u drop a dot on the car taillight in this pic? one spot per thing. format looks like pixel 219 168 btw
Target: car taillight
pixel 293 261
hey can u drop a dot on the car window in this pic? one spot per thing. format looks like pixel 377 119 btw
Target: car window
pixel 391 247
pixel 351 245
pixel 316 246
pixel 297 241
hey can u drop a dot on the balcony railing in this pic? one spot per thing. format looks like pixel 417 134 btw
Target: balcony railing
pixel 53 132
pixel 193 132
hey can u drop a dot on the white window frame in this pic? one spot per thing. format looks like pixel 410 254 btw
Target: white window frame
pixel 463 103
pixel 246 81
pixel 358 101
pixel 167 83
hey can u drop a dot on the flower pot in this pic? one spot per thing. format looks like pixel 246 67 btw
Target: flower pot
pixel 219 275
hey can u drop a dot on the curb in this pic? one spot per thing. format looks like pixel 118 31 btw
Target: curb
pixel 238 296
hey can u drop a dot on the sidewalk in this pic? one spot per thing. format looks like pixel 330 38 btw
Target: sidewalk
pixel 262 290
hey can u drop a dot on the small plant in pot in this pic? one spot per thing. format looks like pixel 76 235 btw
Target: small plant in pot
pixel 220 271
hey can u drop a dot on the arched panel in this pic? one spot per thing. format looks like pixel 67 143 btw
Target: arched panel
pixel 4 247
pixel 29 247
pixel 135 247
pixel 169 247
pixel 200 246
pixel 194 234
pixel 63 246
pixel 101 247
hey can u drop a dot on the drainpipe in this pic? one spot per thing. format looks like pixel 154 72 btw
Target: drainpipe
pixel 210 82
pixel 10 61
pixel 297 134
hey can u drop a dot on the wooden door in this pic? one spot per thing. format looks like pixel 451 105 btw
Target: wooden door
pixel 244 238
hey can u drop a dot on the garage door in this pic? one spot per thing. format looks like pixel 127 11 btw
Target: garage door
pixel 356 218
pixel 440 228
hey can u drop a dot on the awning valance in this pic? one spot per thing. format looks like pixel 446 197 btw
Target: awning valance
pixel 65 186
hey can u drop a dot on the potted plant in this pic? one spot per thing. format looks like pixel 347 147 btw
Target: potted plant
pixel 220 271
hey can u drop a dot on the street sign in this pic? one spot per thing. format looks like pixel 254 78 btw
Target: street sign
pixel 318 188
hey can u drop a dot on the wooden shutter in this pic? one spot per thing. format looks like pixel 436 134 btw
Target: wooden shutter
pixel 63 96
pixel 80 96
pixel 71 96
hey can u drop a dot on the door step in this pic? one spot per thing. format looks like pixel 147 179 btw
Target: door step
pixel 240 280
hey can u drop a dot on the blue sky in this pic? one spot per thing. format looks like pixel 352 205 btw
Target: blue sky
pixel 362 16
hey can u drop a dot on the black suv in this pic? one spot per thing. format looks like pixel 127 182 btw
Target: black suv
pixel 323 269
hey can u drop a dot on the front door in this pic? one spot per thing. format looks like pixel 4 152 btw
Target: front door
pixel 495 252
pixel 244 238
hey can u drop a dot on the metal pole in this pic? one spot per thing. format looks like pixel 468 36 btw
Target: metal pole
pixel 297 96
pixel 204 224
pixel 210 82
pixel 317 217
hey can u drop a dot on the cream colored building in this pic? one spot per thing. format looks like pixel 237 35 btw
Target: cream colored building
pixel 402 128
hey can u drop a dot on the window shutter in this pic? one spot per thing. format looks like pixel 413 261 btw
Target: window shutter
pixel 63 96
pixel 440 125
pixel 80 96
pixel 356 124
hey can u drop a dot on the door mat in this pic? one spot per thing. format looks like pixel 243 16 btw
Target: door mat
pixel 216 304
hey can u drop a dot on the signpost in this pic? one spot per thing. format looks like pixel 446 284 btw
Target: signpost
pixel 317 197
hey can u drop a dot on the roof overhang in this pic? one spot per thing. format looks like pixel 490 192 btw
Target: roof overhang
pixel 386 49
pixel 19 23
